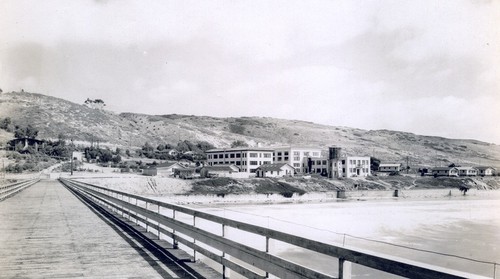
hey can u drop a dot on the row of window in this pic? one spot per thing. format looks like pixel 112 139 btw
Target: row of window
pixel 239 155
pixel 359 162
pixel 238 163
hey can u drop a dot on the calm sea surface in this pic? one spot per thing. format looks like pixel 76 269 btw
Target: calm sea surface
pixel 465 226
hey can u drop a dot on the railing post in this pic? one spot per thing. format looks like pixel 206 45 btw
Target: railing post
pixel 159 233
pixel 146 218
pixel 136 214
pixel 345 268
pixel 194 240
pixel 267 251
pixel 174 241
pixel 225 272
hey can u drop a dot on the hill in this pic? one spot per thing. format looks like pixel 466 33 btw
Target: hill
pixel 54 116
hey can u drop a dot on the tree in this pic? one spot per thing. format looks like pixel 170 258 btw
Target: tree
pixel 239 143
pixel 374 163
pixel 117 159
pixel 5 123
pixel 160 147
pixel 26 132
pixel 204 146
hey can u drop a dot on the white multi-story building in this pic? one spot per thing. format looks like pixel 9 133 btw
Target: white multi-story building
pixel 352 166
pixel 297 157
pixel 248 159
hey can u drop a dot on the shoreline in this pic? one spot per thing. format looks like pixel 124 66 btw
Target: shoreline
pixel 327 197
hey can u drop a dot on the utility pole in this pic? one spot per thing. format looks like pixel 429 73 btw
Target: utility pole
pixel 407 166
pixel 71 158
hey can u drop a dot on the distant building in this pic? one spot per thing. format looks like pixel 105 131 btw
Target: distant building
pixel 467 171
pixel 445 171
pixel 297 157
pixel 219 171
pixel 485 171
pixel 353 166
pixel 248 159
pixel 275 170
pixel 23 144
pixel 389 167
pixel 163 169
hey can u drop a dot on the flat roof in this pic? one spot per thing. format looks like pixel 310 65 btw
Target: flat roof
pixel 236 149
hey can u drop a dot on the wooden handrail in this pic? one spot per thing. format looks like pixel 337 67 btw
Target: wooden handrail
pixel 263 260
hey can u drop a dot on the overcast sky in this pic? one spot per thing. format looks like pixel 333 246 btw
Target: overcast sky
pixel 427 67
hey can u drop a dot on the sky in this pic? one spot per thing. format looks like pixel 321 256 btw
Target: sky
pixel 426 67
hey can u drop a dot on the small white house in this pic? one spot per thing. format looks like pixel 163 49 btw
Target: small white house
pixel 389 167
pixel 164 169
pixel 467 171
pixel 219 171
pixel 275 170
pixel 485 171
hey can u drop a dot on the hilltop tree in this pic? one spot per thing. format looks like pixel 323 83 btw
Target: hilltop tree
pixel 26 132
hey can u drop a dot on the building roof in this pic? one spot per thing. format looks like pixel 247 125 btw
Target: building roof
pixel 288 147
pixel 273 167
pixel 236 149
pixel 389 165
pixel 443 168
pixel 484 168
pixel 168 165
pixel 222 168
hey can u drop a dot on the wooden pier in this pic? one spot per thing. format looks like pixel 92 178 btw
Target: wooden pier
pixel 47 232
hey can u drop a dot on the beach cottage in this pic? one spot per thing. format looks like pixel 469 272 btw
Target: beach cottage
pixel 219 171
pixel 445 171
pixel 275 170
pixel 485 171
pixel 467 171
pixel 389 167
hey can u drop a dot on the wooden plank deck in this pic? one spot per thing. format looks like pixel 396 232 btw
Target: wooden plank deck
pixel 46 232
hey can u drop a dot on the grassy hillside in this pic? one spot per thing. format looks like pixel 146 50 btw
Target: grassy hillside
pixel 53 116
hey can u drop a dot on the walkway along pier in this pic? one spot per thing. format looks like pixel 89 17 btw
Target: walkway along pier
pixel 48 232
pixel 162 219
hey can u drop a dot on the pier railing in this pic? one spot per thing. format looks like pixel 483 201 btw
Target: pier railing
pixel 165 221
pixel 9 190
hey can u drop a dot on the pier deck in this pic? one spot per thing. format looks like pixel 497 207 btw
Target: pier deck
pixel 47 232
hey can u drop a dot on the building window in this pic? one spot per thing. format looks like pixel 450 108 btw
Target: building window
pixel 306 153
pixel 267 155
pixel 238 163
pixel 324 162
pixel 253 155
pixel 296 165
pixel 232 155
pixel 238 155
pixel 296 158
pixel 286 158
pixel 296 153
pixel 253 163
pixel 315 154
pixel 286 153
pixel 279 153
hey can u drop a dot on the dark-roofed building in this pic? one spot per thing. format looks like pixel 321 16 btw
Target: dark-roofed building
pixel 23 144
pixel 485 171
pixel 275 170
pixel 445 171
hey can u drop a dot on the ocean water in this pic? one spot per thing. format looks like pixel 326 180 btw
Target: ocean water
pixel 465 226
